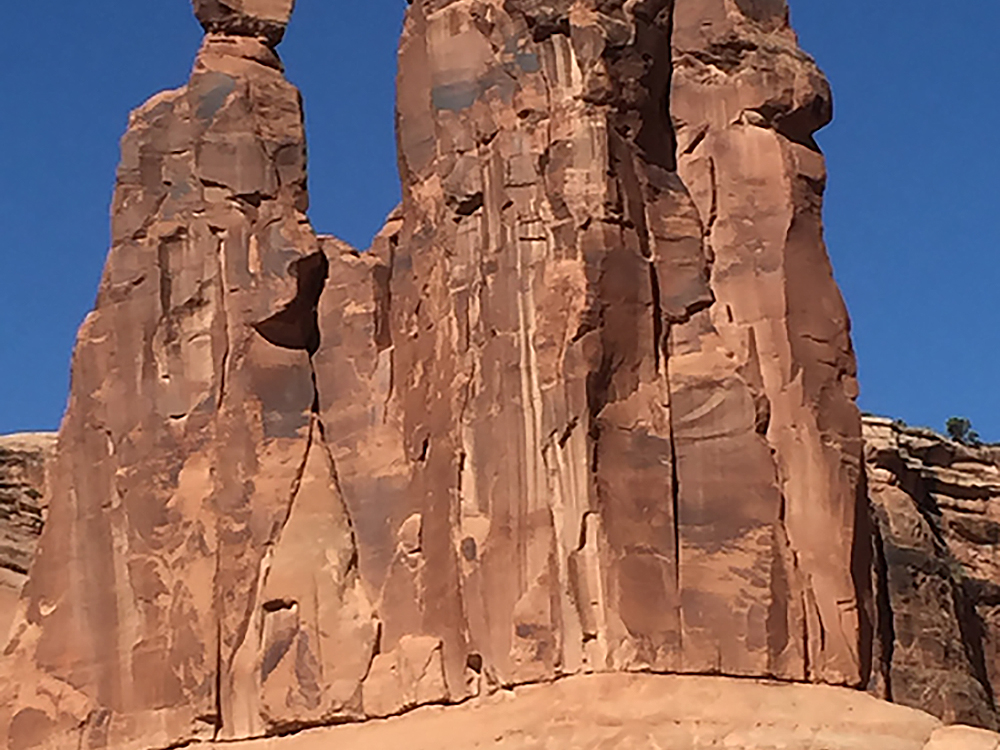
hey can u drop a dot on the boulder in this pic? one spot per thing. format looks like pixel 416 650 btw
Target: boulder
pixel 264 19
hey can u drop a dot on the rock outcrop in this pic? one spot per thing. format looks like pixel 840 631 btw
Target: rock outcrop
pixel 601 464
pixel 23 507
pixel 587 404
pixel 937 509
pixel 649 711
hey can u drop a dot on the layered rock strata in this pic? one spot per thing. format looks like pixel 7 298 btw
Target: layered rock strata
pixel 23 507
pixel 937 511
pixel 531 434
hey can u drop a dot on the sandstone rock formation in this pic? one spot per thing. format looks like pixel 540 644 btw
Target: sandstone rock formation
pixel 566 416
pixel 23 506
pixel 746 103
pixel 937 507
pixel 266 19
pixel 590 435
pixel 190 435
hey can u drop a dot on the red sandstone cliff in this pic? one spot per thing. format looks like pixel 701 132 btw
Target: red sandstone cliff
pixel 586 406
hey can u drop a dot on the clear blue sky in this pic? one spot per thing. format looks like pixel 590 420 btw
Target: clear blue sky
pixel 913 210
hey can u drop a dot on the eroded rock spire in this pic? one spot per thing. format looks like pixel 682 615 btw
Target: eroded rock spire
pixel 175 596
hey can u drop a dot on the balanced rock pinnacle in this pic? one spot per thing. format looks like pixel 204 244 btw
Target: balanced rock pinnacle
pixel 266 19
pixel 192 457
pixel 587 405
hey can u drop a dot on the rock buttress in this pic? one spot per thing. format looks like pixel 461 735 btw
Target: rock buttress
pixel 24 502
pixel 936 506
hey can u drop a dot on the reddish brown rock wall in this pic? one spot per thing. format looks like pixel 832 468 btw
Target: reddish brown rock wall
pixel 532 433
pixel 746 102
pixel 591 437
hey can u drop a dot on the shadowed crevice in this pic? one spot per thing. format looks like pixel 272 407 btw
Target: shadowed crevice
pixel 884 615
pixel 297 325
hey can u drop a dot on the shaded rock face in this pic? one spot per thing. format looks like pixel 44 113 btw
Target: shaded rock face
pixel 937 510
pixel 23 507
pixel 565 416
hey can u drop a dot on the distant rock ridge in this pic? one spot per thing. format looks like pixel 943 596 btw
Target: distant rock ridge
pixel 586 405
pixel 23 506
pixel 936 504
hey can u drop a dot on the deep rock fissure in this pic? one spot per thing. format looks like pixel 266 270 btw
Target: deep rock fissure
pixel 973 634
pixel 659 345
pixel 218 672
pixel 675 496
pixel 887 631
pixel 224 315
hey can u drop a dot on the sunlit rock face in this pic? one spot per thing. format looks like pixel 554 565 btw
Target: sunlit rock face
pixel 746 103
pixel 623 455
pixel 585 406
pixel 172 581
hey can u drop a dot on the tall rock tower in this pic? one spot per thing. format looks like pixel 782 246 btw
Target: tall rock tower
pixel 746 102
pixel 190 434
pixel 585 406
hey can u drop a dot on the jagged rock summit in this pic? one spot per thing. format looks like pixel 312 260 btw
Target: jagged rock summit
pixel 570 414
